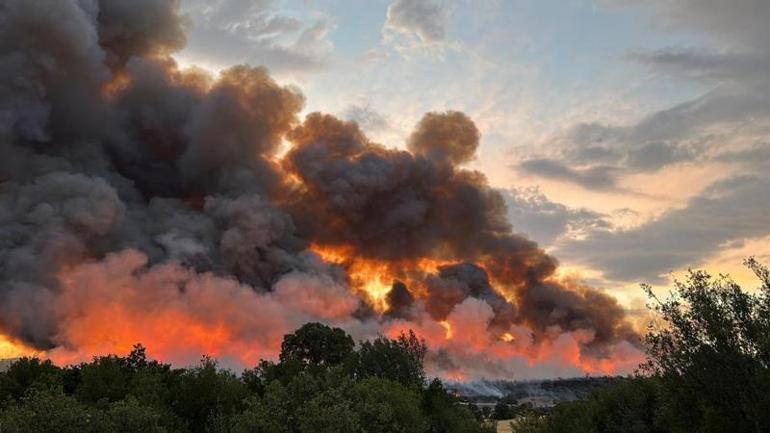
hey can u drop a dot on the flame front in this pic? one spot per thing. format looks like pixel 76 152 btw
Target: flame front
pixel 374 279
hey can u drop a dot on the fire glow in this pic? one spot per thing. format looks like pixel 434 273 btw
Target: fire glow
pixel 374 279
pixel 10 349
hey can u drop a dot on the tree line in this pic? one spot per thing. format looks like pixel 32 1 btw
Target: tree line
pixel 321 383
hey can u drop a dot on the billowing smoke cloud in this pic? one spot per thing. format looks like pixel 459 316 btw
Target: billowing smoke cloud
pixel 455 283
pixel 450 136
pixel 396 206
pixel 144 203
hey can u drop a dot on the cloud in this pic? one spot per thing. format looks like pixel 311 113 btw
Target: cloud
pixel 227 32
pixel 450 136
pixel 732 112
pixel 742 68
pixel 368 119
pixel 545 221
pixel 739 22
pixel 688 132
pixel 421 22
pixel 728 123
pixel 599 177
pixel 729 211
pixel 755 158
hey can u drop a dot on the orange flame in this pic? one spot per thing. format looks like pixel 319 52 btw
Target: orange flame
pixel 507 337
pixel 448 327
pixel 10 348
pixel 374 278
pixel 112 88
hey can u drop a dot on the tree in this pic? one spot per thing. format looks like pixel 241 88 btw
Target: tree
pixel 625 406
pixel 384 406
pixel 270 413
pixel 129 416
pixel 399 360
pixel 113 378
pixel 502 411
pixel 26 373
pixel 712 352
pixel 107 378
pixel 51 411
pixel 445 414
pixel 317 345
pixel 320 384
pixel 202 393
pixel 327 412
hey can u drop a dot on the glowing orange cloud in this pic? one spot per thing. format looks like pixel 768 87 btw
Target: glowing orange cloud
pixel 180 315
pixel 108 306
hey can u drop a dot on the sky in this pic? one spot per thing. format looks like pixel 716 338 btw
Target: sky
pixel 629 137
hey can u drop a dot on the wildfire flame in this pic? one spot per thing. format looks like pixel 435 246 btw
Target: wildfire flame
pixel 10 348
pixel 374 279
pixel 448 327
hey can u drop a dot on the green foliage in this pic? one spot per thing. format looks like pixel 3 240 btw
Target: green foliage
pixel 708 368
pixel 386 406
pixel 712 352
pixel 27 373
pixel 113 378
pixel 104 379
pixel 317 345
pixel 398 360
pixel 129 416
pixel 445 414
pixel 626 406
pixel 202 394
pixel 272 413
pixel 327 412
pixel 51 411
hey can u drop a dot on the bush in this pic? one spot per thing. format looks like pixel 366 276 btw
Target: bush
pixel 385 406
pixel 205 392
pixel 27 373
pixel 398 360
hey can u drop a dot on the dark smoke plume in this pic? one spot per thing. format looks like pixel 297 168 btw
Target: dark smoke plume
pixel 108 150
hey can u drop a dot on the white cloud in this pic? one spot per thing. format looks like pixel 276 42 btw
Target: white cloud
pixel 227 32
pixel 729 211
pixel 545 221
pixel 416 23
